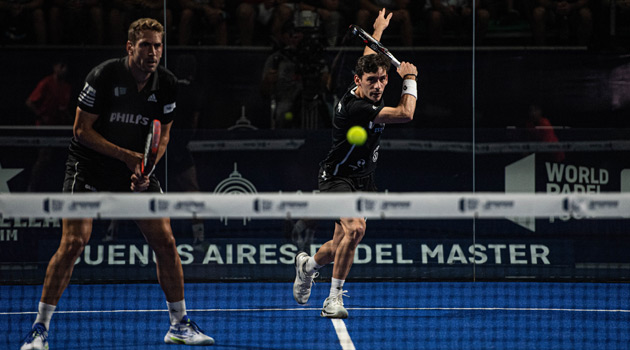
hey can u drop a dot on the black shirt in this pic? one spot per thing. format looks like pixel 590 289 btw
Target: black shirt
pixel 345 159
pixel 124 113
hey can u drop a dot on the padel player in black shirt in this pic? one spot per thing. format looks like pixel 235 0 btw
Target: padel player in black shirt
pixel 349 168
pixel 124 115
pixel 119 99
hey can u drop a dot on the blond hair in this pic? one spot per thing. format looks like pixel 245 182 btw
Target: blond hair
pixel 136 28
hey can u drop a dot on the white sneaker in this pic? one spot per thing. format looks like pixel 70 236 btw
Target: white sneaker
pixel 187 332
pixel 333 307
pixel 37 339
pixel 303 281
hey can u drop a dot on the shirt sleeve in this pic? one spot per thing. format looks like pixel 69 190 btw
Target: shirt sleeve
pixel 170 104
pixel 363 111
pixel 91 95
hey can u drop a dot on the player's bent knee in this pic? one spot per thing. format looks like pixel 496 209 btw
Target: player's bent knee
pixel 72 246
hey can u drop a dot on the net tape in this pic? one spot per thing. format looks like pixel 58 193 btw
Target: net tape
pixel 314 205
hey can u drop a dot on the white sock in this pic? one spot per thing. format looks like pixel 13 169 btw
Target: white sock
pixel 336 287
pixel 176 311
pixel 311 266
pixel 44 314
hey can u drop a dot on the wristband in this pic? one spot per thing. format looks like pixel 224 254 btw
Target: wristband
pixel 410 87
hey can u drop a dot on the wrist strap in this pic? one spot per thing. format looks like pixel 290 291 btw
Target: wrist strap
pixel 410 87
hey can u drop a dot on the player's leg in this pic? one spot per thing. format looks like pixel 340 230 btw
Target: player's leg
pixel 75 235
pixel 306 266
pixel 352 232
pixel 159 236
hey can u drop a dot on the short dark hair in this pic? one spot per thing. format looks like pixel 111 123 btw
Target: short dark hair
pixel 136 28
pixel 371 64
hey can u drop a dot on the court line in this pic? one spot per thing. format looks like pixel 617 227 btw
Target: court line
pixel 355 308
pixel 342 334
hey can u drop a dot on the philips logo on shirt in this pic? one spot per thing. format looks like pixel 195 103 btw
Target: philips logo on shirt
pixel 128 118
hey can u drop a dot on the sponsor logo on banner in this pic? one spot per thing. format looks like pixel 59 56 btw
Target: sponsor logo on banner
pixel 265 205
pixel 262 205
pixel 84 205
pixel 295 205
pixel 595 204
pixel 157 205
pixel 468 204
pixel 191 206
pixel 53 205
pixel 364 204
pixel 491 205
pixel 590 204
pixel 395 205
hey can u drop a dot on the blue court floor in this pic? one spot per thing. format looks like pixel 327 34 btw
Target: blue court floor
pixel 384 315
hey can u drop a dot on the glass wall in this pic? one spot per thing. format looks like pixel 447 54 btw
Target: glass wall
pixel 518 98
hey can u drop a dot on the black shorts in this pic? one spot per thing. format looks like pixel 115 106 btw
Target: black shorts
pixel 81 177
pixel 345 184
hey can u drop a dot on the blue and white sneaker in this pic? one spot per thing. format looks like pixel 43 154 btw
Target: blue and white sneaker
pixel 37 338
pixel 187 332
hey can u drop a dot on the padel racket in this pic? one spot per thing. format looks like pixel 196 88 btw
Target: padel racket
pixel 373 43
pixel 151 147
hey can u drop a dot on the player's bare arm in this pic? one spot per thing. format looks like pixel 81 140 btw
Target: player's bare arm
pixel 85 134
pixel 380 24
pixel 406 108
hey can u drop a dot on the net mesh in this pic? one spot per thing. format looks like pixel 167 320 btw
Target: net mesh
pixel 458 282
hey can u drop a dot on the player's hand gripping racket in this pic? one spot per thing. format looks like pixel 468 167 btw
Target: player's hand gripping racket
pixel 373 43
pixel 151 148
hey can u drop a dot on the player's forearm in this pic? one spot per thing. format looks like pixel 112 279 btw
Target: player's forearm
pixel 164 138
pixel 95 141
pixel 85 134
pixel 407 106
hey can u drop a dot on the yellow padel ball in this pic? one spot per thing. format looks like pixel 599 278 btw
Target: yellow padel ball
pixel 356 135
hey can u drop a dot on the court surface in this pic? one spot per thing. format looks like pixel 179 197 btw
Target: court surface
pixel 384 315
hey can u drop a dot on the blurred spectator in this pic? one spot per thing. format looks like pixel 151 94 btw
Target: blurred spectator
pixel 455 15
pixel 329 15
pixel 49 101
pixel 200 17
pixel 76 21
pixel 572 19
pixel 259 21
pixel 123 12
pixel 294 80
pixel 401 17
pixel 23 21
pixel 541 130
